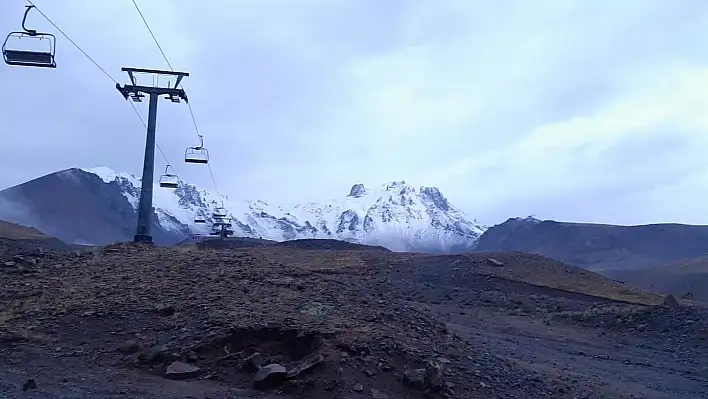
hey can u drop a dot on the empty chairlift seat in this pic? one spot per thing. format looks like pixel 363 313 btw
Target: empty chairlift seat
pixel 169 180
pixel 197 154
pixel 220 212
pixel 29 48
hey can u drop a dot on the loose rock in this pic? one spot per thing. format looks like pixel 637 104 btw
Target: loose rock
pixel 254 362
pixel 414 378
pixel 495 262
pixel 306 364
pixel 670 301
pixel 181 371
pixel 434 373
pixel 688 296
pixel 269 376
pixel 29 384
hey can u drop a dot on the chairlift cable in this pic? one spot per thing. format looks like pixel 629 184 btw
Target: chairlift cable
pixel 191 112
pixel 153 35
pixel 72 42
pixel 102 70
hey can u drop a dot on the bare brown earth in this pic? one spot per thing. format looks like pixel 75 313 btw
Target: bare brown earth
pixel 107 323
pixel 17 232
pixel 16 238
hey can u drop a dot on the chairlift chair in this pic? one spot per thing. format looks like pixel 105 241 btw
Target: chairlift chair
pixel 31 58
pixel 199 219
pixel 197 154
pixel 169 180
pixel 220 212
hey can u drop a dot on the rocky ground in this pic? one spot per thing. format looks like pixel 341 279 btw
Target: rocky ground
pixel 130 321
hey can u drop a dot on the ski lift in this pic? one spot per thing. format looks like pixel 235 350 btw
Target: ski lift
pixel 220 212
pixel 32 58
pixel 199 219
pixel 169 180
pixel 197 154
pixel 226 222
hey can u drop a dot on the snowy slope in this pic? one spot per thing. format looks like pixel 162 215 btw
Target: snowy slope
pixel 395 215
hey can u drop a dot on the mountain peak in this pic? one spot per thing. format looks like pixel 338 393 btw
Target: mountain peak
pixel 436 197
pixel 109 175
pixel 358 190
pixel 392 185
pixel 396 215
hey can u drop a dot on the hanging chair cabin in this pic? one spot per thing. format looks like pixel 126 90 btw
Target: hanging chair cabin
pixel 197 154
pixel 169 180
pixel 219 213
pixel 16 47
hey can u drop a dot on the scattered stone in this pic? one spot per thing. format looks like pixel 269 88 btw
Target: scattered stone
pixel 495 262
pixel 270 375
pixel 306 364
pixel 378 394
pixel 181 371
pixel 369 373
pixel 152 355
pixel 129 346
pixel 9 264
pixel 88 313
pixel 358 388
pixel 670 301
pixel 331 385
pixel 29 384
pixel 414 378
pixel 434 373
pixel 253 363
pixel 165 310
pixel 385 366
pixel 687 296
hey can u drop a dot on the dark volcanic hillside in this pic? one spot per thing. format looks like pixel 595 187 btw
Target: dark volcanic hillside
pixel 678 278
pixel 598 246
pixel 77 207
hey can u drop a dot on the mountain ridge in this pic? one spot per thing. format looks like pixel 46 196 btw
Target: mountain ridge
pixel 394 215
pixel 598 246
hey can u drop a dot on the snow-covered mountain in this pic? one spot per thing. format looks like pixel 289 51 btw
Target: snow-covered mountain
pixel 395 215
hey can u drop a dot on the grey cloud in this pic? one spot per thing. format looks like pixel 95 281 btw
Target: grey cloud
pixel 283 114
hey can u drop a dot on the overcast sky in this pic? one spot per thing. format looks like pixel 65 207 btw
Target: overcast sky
pixel 570 110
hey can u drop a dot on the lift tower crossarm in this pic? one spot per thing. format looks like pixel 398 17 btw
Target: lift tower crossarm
pixel 179 75
pixel 136 92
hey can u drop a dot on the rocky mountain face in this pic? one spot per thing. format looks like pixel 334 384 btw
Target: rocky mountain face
pixel 598 246
pixel 97 206
pixel 79 207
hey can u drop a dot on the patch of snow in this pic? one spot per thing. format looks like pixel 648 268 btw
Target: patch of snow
pixel 395 215
pixel 108 175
